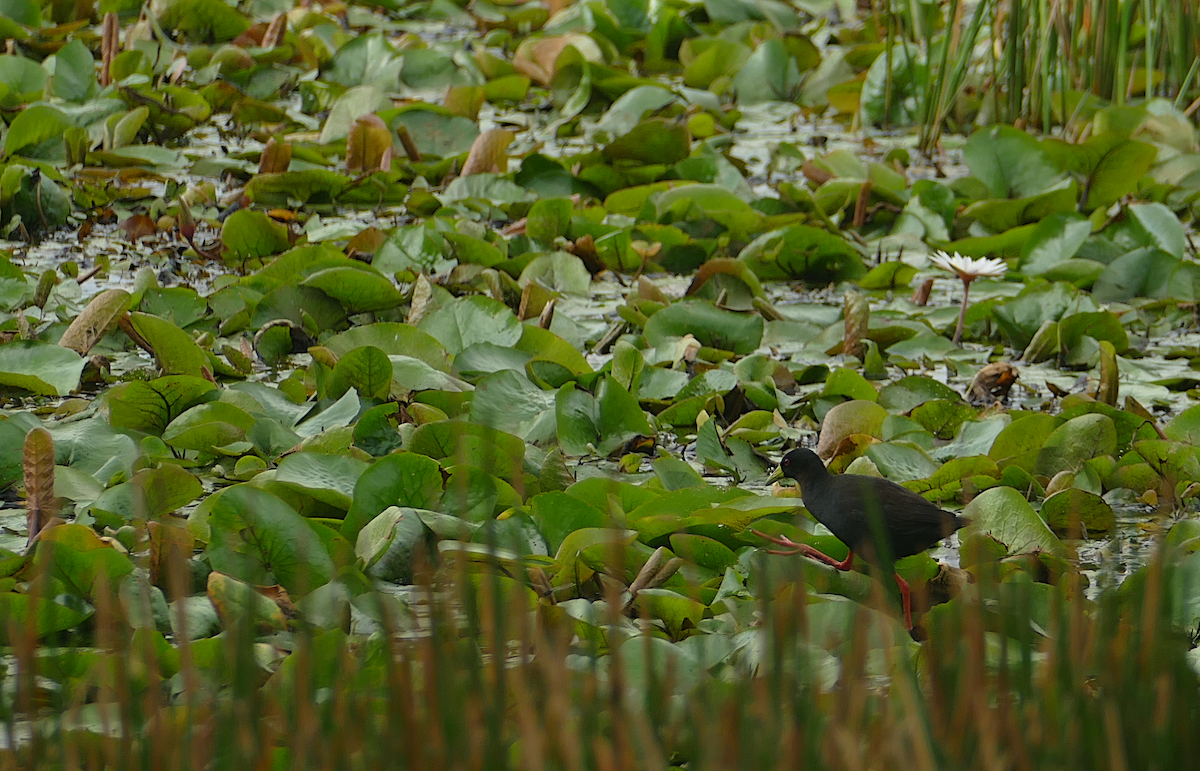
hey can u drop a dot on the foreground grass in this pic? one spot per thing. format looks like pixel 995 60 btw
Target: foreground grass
pixel 482 681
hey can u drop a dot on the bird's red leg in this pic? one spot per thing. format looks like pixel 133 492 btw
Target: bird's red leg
pixel 906 596
pixel 791 547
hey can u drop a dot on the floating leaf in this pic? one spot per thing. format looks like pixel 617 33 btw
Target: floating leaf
pixel 1078 513
pixel 45 369
pixel 388 544
pixel 1007 517
pixel 260 539
pixel 803 253
pixel 712 326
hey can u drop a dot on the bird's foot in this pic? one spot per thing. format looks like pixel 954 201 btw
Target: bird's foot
pixel 906 598
pixel 791 547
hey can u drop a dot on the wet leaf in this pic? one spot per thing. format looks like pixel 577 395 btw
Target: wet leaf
pixel 804 253
pixel 1004 515
pixel 712 326
pixel 260 539
pixel 95 321
pixel 1076 512
pixel 43 368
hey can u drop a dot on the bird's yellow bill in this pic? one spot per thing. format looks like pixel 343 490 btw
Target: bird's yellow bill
pixel 776 475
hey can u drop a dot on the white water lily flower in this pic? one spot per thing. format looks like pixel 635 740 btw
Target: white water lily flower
pixel 969 268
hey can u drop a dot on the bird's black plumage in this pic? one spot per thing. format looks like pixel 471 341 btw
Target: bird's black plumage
pixel 844 503
pixel 878 519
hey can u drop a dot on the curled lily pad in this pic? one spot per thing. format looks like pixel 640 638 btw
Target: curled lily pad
pixel 805 253
pixel 1004 515
pixel 388 544
pixel 849 418
pixel 1078 512
pixel 712 326
pixel 260 539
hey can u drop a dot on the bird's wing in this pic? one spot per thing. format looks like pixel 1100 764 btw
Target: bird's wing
pixel 908 516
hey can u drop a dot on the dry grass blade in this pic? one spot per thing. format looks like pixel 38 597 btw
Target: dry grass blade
pixel 276 31
pixel 1109 374
pixel 110 46
pixel 40 503
pixel 857 311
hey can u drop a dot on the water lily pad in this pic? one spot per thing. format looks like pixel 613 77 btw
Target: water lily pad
pixel 598 424
pixel 470 320
pixel 1004 515
pixel 404 479
pixel 208 426
pixel 1078 513
pixel 45 369
pixel 151 494
pixel 358 289
pixel 846 419
pixel 712 326
pixel 1074 442
pixel 258 538
pixel 388 544
pixel 801 252
pixel 328 478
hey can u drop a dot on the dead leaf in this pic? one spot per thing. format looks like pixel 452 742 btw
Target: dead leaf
pixel 275 158
pixel 275 32
pixel 369 145
pixel 488 153
pixel 170 548
pixel 858 317
pixel 95 321
pixel 139 226
pixel 110 46
pixel 538 59
pixel 422 295
pixel 921 295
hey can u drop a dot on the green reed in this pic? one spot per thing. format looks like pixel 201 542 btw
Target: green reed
pixel 1051 55
pixel 486 677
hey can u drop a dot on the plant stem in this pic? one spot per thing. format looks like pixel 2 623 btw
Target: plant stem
pixel 962 313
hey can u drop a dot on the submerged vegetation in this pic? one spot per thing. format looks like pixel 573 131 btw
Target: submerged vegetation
pixel 395 385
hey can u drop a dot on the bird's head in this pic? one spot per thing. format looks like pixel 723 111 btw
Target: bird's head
pixel 801 465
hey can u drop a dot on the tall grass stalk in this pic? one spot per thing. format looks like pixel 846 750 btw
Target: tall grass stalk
pixel 483 676
pixel 1114 50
